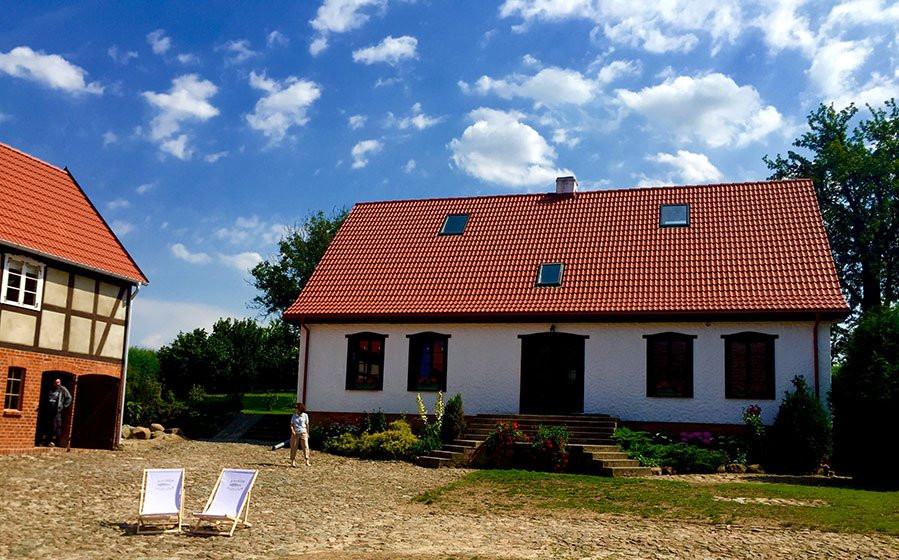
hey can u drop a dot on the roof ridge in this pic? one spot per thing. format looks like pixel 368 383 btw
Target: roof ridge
pixel 593 192
pixel 29 156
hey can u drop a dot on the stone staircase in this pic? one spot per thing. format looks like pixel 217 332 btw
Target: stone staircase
pixel 591 446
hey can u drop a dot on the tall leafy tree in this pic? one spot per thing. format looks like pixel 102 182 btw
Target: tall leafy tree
pixel 280 281
pixel 856 177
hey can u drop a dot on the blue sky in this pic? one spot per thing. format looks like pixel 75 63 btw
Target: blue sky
pixel 202 129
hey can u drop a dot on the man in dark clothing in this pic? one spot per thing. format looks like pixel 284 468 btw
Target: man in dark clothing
pixel 58 399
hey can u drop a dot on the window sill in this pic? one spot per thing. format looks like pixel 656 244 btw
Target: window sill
pixel 12 413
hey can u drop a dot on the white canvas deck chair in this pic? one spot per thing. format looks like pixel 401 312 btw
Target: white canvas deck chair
pixel 161 501
pixel 229 503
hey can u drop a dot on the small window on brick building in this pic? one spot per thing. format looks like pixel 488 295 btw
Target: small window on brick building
pixel 15 381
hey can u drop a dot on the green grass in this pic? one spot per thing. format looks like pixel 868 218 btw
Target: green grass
pixel 840 508
pixel 263 403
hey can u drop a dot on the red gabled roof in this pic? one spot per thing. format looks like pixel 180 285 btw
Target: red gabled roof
pixel 44 211
pixel 750 247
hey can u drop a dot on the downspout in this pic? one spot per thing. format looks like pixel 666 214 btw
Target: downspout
pixel 815 356
pixel 118 436
pixel 305 359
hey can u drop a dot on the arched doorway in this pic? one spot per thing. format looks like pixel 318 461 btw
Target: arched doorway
pixel 552 373
pixel 95 422
pixel 46 414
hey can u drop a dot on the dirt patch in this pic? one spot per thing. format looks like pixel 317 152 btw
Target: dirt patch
pixel 772 501
pixel 83 505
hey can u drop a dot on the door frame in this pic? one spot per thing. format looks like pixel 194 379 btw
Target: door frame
pixel 525 387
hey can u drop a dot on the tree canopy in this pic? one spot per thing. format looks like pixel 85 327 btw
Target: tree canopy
pixel 280 282
pixel 856 177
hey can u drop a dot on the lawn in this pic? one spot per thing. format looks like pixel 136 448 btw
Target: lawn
pixel 827 507
pixel 263 403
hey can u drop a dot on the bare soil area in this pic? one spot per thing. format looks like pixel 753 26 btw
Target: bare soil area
pixel 84 505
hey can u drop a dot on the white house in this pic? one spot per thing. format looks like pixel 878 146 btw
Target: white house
pixel 673 304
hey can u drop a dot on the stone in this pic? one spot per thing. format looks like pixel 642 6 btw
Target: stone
pixel 155 434
pixel 174 431
pixel 739 468
pixel 722 469
pixel 140 433
pixel 755 468
pixel 126 431
pixel 655 470
pixel 668 469
pixel 156 427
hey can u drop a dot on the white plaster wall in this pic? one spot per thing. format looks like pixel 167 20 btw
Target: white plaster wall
pixel 484 365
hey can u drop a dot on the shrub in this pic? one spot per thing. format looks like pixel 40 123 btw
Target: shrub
pixel 397 442
pixel 865 397
pixel 799 439
pixel 659 451
pixel 453 424
pixel 752 417
pixel 346 444
pixel 320 435
pixel 504 437
pixel 550 448
pixel 374 422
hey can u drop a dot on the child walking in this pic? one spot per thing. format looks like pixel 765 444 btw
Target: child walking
pixel 299 432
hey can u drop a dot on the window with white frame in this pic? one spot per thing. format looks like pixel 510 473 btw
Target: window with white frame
pixel 23 282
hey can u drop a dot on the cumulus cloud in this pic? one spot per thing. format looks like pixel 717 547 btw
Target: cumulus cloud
pixel 186 101
pixel 362 150
pixel 109 137
pixel 689 167
pixel 550 86
pixel 145 188
pixel 158 41
pixel 50 70
pixel 391 50
pixel 117 204
pixel 120 56
pixel 276 39
pixel 410 166
pixel 616 69
pixel 121 227
pixel 214 157
pixel 248 230
pixel 284 104
pixel 711 109
pixel 355 122
pixel 416 119
pixel 340 16
pixel 238 51
pixel 181 252
pixel 187 58
pixel 499 148
pixel 157 322
pixel 242 262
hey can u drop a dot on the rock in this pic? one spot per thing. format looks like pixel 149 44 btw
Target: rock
pixel 755 468
pixel 721 469
pixel 156 427
pixel 739 468
pixel 668 469
pixel 824 470
pixel 126 431
pixel 655 470
pixel 175 431
pixel 140 433
pixel 157 434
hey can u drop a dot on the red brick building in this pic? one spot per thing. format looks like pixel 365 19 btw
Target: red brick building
pixel 65 307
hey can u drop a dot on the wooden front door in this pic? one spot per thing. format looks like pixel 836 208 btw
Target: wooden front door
pixel 95 423
pixel 552 373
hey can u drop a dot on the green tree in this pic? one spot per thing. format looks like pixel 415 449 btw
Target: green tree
pixel 186 362
pixel 143 391
pixel 865 397
pixel 800 437
pixel 856 177
pixel 299 251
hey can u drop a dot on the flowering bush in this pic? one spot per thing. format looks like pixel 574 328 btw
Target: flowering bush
pixel 752 416
pixel 550 448
pixel 702 439
pixel 504 437
pixel 438 411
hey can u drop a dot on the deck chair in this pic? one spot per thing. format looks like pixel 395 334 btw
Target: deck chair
pixel 228 504
pixel 161 501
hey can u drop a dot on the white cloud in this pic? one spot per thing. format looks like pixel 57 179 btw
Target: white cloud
pixel 109 137
pixel 410 166
pixel 121 227
pixel 242 262
pixel 251 230
pixel 499 148
pixel 145 188
pixel 564 137
pixel 356 122
pixel 416 119
pixel 690 167
pixel 362 150
pixel 214 157
pixel 187 100
pixel 711 109
pixel 340 16
pixel 50 70
pixel 158 41
pixel 530 60
pixel 276 39
pixel 117 204
pixel 157 322
pixel 657 27
pixel 187 58
pixel 618 69
pixel 181 252
pixel 391 50
pixel 834 64
pixel 238 51
pixel 284 105
pixel 120 57
pixel 550 86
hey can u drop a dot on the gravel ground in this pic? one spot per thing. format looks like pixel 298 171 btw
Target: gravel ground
pixel 83 505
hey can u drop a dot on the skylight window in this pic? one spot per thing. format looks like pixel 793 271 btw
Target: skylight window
pixel 674 215
pixel 454 224
pixel 550 274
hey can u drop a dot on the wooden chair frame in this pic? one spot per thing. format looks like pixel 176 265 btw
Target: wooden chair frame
pixel 213 521
pixel 152 523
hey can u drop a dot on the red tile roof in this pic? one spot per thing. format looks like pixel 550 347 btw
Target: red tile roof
pixel 749 248
pixel 44 211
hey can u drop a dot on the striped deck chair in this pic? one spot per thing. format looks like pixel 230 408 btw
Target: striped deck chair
pixel 161 501
pixel 228 504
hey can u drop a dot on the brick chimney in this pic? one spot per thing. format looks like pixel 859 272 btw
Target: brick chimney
pixel 566 185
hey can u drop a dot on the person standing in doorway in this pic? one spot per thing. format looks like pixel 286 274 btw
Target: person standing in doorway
pixel 299 434
pixel 58 399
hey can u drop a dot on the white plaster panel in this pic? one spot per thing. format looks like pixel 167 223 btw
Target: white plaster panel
pixel 80 335
pixel 107 298
pixel 83 296
pixel 115 341
pixel 56 287
pixel 484 365
pixel 17 328
pixel 53 327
